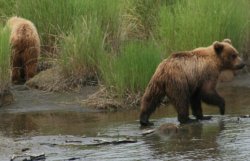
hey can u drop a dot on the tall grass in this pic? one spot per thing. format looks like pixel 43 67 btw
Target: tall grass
pixel 132 69
pixel 4 58
pixel 82 49
pixel 140 19
pixel 56 17
pixel 190 24
pixel 6 9
pixel 50 17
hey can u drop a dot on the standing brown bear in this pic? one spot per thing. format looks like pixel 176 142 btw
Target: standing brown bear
pixel 25 48
pixel 190 77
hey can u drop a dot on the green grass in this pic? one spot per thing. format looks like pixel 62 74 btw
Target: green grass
pixel 82 49
pixel 50 17
pixel 4 58
pixel 190 24
pixel 140 18
pixel 119 42
pixel 132 69
pixel 55 17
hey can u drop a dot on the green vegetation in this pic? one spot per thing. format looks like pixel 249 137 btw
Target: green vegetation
pixel 53 18
pixel 82 50
pixel 4 58
pixel 132 69
pixel 190 24
pixel 120 43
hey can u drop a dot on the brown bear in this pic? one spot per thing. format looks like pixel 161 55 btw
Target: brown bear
pixel 189 77
pixel 25 49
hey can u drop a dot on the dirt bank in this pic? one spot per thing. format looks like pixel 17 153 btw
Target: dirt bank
pixel 27 99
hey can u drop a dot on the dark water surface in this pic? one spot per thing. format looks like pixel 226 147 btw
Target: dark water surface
pixel 53 124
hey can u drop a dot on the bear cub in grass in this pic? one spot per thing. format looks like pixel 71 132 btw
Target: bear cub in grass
pixel 189 77
pixel 25 49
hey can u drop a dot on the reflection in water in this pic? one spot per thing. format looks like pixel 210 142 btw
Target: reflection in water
pixel 17 124
pixel 23 124
pixel 196 141
pixel 61 122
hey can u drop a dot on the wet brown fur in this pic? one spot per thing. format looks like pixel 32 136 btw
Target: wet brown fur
pixel 187 78
pixel 25 48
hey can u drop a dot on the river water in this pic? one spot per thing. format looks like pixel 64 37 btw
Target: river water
pixel 55 125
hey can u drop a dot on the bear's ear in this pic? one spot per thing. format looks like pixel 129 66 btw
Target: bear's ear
pixel 228 41
pixel 218 47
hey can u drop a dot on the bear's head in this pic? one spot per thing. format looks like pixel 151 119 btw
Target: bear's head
pixel 228 55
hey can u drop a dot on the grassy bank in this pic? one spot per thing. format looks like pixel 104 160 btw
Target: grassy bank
pixel 4 59
pixel 119 43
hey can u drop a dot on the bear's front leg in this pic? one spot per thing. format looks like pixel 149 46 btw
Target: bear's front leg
pixel 210 96
pixel 213 98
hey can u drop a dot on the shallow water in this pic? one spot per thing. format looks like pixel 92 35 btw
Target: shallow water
pixel 55 125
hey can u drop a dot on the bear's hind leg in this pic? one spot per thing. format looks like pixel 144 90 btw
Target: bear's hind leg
pixel 30 71
pixel 17 68
pixel 182 108
pixel 196 107
pixel 16 75
pixel 31 62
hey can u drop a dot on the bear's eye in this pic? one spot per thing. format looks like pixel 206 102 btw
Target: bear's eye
pixel 233 56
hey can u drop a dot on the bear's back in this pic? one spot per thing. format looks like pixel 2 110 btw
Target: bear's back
pixel 23 33
pixel 192 67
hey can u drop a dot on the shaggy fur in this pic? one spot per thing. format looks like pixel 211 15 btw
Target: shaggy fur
pixel 187 78
pixel 25 48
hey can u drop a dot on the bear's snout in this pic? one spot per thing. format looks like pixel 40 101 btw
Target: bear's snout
pixel 240 64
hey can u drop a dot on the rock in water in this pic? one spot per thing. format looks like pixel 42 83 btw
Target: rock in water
pixel 168 128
